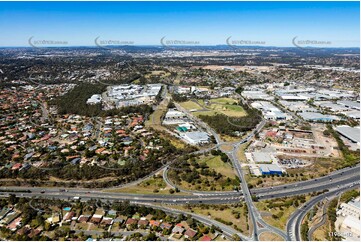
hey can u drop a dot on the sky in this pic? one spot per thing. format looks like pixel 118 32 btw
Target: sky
pixel 332 24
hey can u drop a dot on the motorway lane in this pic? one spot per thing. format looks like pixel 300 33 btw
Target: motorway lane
pixel 263 193
pixel 320 183
pixel 131 197
pixel 309 189
pixel 293 226
pixel 334 176
pixel 195 192
pixel 259 225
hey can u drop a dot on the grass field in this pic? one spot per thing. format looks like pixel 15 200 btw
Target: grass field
pixel 224 100
pixel 268 236
pixel 229 110
pixel 189 105
pixel 218 165
pixel 240 152
pixel 206 182
pixel 215 106
pixel 147 187
pixel 282 214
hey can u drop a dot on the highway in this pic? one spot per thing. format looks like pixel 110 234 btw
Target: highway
pixel 196 197
pixel 335 178
pixel 259 225
pixel 293 226
pixel 330 178
pixel 334 182
pixel 231 197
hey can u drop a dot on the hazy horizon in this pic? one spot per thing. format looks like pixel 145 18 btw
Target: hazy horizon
pixel 275 24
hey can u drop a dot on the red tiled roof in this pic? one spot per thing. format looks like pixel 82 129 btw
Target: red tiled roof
pixel 190 233
pixel 154 223
pixel 17 166
pixel 131 221
pixel 206 238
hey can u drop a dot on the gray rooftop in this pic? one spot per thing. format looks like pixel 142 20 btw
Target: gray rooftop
pixel 270 167
pixel 351 104
pixel 355 203
pixel 351 133
pixel 261 157
pixel 318 116
pixel 197 136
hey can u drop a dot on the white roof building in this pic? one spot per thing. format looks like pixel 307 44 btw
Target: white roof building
pixel 350 104
pixel 196 137
pixel 351 133
pixel 174 114
pixel 262 157
pixel 94 99
pixel 348 220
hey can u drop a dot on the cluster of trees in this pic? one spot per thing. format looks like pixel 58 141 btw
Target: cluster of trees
pixel 304 231
pixel 349 195
pixel 283 203
pixel 350 157
pixel 224 156
pixel 179 97
pixel 200 175
pixel 229 125
pixel 74 101
pixel 331 214
pixel 131 170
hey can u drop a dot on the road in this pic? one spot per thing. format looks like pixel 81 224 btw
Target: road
pixel 196 197
pixel 295 221
pixel 337 178
pixel 342 178
pixel 259 225
pixel 226 230
pixel 319 224
pixel 200 123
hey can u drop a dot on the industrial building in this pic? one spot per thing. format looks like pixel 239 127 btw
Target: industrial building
pixel 352 114
pixel 262 157
pixel 351 133
pixel 331 106
pixel 270 111
pixel 132 95
pixel 270 169
pixel 350 104
pixel 348 220
pixel 256 95
pixel 94 99
pixel 196 137
pixel 174 116
pixel 318 117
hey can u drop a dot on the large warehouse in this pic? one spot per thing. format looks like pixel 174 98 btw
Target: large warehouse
pixel 270 169
pixel 351 133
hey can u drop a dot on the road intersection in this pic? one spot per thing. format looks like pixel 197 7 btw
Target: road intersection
pixel 329 185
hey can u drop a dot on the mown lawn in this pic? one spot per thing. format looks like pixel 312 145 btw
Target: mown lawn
pixel 189 105
pixel 149 186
